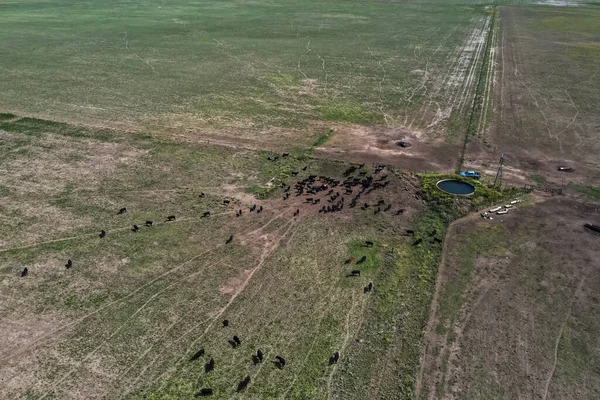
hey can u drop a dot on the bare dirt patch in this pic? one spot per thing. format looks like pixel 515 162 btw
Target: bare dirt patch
pixel 378 144
pixel 515 310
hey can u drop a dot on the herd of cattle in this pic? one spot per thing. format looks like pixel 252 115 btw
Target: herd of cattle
pixel 257 358
pixel 329 189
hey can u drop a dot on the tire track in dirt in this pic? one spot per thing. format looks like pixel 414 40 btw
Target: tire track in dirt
pixel 265 254
pixel 174 342
pixel 108 230
pixel 117 301
pixel 560 333
pixel 133 315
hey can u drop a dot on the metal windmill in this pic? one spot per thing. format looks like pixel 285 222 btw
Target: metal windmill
pixel 498 179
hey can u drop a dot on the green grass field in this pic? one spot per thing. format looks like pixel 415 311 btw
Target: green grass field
pixel 234 65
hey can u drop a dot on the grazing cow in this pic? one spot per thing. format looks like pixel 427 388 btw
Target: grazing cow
pixel 201 195
pixel 286 196
pixel 206 214
pixel 334 358
pixel 285 154
pixel 225 323
pixel 237 340
pixel 238 213
pixel 24 272
pixel 297 212
pixel 259 355
pixel 362 260
pixel 122 211
pixel 355 272
pixel 229 240
pixel 253 207
pixel 209 366
pixel 280 363
pixel 148 223
pixel 316 201
pixel 171 218
pixel 377 211
pixel 410 232
pixel 294 173
pixel 436 240
pixel 226 202
pixel 198 354
pixel 102 234
pixel 243 384
pixel 369 287
pixel 259 209
pixel 368 243
pixel 135 228
pixel 400 211
pixel 69 264
pixel 255 360
pixel 232 343
pixel 380 202
pixel 417 241
pixel 388 208
pixel 273 158
pixel 304 168
pixel 204 392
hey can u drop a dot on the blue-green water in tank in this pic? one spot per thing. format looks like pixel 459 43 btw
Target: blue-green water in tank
pixel 454 186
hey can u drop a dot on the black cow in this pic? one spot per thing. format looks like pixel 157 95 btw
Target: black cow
pixel 148 223
pixel 69 264
pixel 209 366
pixel 24 272
pixel 238 213
pixel 135 228
pixel 286 196
pixel 232 343
pixel 226 201
pixel 388 208
pixel 316 201
pixel 297 212
pixel 204 392
pixel 102 234
pixel 260 209
pixel 417 241
pixel 409 232
pixel 253 207
pixel 368 243
pixel 206 214
pixel 197 355
pixel 243 384
pixel 285 154
pixel 334 358
pixel 304 168
pixel 259 355
pixel 400 211
pixel 122 211
pixel 229 240
pixel 369 287
pixel 201 195
pixel 355 272
pixel 171 218
pixel 294 173
pixel 225 323
pixel 237 340
pixel 436 240
pixel 362 260
pixel 280 363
